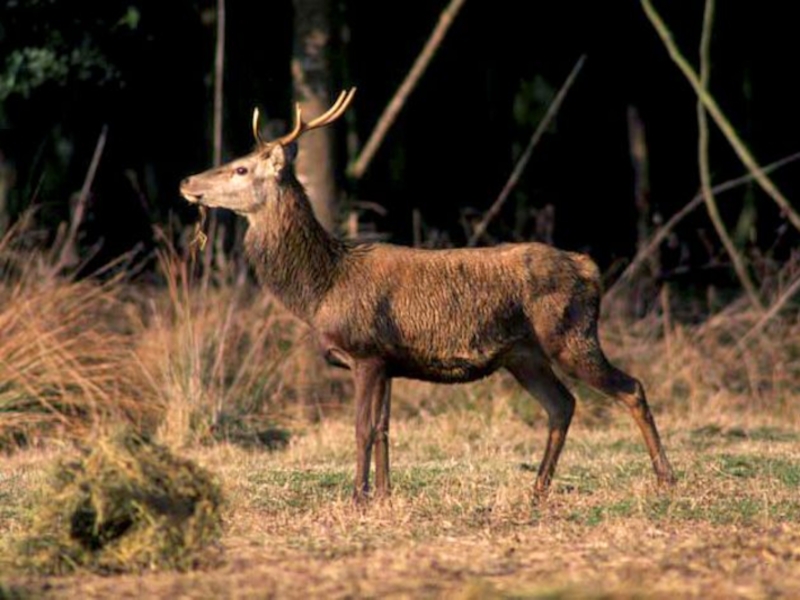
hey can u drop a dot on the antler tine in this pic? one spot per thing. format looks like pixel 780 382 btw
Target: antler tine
pixel 298 128
pixel 330 115
pixel 348 99
pixel 337 110
pixel 334 111
pixel 256 133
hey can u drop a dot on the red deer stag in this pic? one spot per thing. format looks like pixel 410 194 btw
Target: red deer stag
pixel 386 311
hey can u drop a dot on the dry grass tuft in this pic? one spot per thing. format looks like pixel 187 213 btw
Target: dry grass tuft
pixel 66 357
pixel 195 359
pixel 722 363
pixel 123 505
pixel 219 355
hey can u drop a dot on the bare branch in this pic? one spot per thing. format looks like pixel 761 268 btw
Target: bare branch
pixel 770 314
pixel 68 252
pixel 219 76
pixel 738 262
pixel 552 110
pixel 394 107
pixel 719 117
pixel 660 235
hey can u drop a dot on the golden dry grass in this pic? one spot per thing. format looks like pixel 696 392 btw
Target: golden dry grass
pixel 218 354
pixel 122 504
pixel 460 523
pixel 67 358
pixel 210 364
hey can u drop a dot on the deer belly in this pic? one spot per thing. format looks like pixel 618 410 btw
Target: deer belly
pixel 431 358
pixel 438 347
pixel 441 370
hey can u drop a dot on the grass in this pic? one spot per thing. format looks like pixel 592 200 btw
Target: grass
pixel 460 523
pixel 214 370
pixel 66 357
pixel 122 504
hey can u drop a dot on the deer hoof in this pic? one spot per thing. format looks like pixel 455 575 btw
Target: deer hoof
pixel 667 482
pixel 539 495
pixel 361 498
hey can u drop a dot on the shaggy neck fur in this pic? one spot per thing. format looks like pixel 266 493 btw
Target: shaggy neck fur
pixel 291 252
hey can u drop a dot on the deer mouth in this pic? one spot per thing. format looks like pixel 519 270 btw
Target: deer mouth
pixel 193 198
pixel 188 194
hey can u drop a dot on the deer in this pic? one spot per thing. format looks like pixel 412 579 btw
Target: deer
pixel 387 311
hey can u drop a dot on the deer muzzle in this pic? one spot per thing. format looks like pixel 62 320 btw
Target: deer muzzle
pixel 190 193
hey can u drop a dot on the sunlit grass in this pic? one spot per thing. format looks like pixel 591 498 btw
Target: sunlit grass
pixel 464 518
pixel 210 366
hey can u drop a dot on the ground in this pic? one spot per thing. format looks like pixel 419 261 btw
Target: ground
pixel 461 524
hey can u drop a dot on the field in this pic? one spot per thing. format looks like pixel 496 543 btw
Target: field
pixel 216 371
pixel 460 523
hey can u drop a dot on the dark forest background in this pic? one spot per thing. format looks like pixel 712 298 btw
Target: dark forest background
pixel 145 69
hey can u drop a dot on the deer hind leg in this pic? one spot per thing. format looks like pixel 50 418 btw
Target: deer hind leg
pixel 540 381
pixel 380 420
pixel 592 366
pixel 370 383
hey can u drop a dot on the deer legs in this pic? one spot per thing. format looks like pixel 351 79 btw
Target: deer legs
pixel 630 392
pixel 540 381
pixel 533 372
pixel 380 416
pixel 373 391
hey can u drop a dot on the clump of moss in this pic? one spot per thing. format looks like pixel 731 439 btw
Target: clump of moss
pixel 125 504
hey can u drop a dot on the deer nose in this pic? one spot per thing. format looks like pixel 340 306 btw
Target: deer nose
pixel 187 193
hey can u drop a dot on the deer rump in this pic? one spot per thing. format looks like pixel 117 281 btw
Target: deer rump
pixel 456 315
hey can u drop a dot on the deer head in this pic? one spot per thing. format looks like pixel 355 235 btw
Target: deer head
pixel 243 185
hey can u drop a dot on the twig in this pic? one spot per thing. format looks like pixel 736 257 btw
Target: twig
pixel 67 247
pixel 673 221
pixel 219 75
pixel 666 312
pixel 739 265
pixel 719 117
pixel 394 107
pixel 769 315
pixel 513 179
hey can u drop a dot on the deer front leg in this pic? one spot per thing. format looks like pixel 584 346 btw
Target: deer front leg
pixel 370 383
pixel 380 415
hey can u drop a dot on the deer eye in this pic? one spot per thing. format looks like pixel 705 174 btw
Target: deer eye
pixel 241 170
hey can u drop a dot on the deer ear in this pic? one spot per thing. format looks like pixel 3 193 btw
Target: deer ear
pixel 279 156
pixel 290 152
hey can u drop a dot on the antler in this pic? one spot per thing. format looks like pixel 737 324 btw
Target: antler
pixel 300 126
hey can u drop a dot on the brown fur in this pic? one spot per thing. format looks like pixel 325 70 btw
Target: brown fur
pixel 387 311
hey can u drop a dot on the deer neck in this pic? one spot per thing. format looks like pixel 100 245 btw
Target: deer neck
pixel 293 255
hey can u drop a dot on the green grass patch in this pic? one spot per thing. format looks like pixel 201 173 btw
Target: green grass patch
pixel 595 515
pixel 749 466
pixel 10 592
pixel 298 489
pixel 723 511
pixel 709 435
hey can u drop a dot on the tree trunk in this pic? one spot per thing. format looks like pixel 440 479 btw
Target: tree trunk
pixel 312 81
pixel 311 75
pixel 219 77
pixel 645 287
